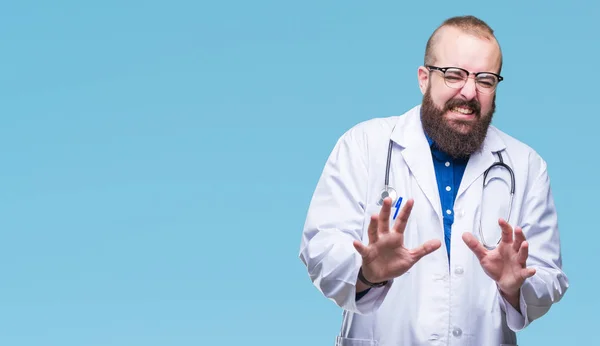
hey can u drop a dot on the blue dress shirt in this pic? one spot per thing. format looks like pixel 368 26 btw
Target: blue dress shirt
pixel 448 173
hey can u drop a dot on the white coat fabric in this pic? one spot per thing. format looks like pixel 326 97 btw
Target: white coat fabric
pixel 439 301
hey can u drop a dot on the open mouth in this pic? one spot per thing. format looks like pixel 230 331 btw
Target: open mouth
pixel 463 110
pixel 463 113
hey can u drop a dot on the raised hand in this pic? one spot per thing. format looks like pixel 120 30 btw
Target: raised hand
pixel 506 263
pixel 385 257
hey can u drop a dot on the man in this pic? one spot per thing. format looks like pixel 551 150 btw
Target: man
pixel 412 268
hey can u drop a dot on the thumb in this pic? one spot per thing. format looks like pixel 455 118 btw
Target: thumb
pixel 526 273
pixel 361 248
pixel 474 245
pixel 425 249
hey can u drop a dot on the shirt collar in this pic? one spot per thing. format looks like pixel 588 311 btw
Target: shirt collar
pixel 429 140
pixel 435 150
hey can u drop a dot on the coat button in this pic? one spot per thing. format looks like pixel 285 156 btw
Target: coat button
pixel 434 337
pixel 457 332
pixel 459 270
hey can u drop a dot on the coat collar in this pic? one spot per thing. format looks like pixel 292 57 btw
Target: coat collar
pixel 408 134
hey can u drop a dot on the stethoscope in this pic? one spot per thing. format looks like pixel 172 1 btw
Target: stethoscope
pixel 389 191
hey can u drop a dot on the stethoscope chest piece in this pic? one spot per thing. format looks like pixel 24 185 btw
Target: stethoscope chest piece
pixel 387 191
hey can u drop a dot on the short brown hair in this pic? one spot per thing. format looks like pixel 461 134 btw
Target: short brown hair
pixel 468 24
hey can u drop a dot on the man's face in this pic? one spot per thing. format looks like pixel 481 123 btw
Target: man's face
pixel 457 119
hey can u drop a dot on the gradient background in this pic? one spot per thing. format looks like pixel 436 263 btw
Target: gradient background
pixel 157 158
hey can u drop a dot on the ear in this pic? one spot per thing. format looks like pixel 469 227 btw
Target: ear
pixel 423 77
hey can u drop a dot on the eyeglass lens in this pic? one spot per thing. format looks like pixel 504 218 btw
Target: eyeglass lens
pixel 456 78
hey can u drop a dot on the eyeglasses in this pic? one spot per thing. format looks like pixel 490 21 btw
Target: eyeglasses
pixel 456 77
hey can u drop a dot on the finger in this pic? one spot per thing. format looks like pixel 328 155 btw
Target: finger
pixel 519 238
pixel 402 219
pixel 506 231
pixel 474 245
pixel 523 253
pixel 425 249
pixel 526 273
pixel 372 232
pixel 384 215
pixel 361 248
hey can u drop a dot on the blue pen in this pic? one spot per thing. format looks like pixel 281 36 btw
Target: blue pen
pixel 398 202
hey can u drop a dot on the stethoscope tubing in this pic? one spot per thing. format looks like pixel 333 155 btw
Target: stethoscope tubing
pixel 389 191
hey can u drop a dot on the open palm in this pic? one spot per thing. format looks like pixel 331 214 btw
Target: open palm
pixel 506 264
pixel 385 257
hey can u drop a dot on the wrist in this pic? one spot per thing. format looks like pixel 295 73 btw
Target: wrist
pixel 513 297
pixel 361 286
pixel 367 282
pixel 510 292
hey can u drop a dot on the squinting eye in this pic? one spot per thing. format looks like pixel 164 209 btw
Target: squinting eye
pixel 454 76
pixel 487 82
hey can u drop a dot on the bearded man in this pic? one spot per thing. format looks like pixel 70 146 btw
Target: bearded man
pixel 398 233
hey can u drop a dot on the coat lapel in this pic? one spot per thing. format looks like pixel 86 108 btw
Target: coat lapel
pixel 415 150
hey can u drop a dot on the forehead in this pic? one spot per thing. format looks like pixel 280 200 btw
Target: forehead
pixel 457 48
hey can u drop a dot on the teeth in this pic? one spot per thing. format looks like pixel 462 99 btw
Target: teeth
pixel 462 110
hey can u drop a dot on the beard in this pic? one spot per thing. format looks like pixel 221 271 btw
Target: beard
pixel 447 134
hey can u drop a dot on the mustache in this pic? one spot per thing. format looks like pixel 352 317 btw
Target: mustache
pixel 473 104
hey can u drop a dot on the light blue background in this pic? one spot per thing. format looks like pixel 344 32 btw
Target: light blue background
pixel 157 158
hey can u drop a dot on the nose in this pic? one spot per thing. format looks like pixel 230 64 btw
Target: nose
pixel 469 90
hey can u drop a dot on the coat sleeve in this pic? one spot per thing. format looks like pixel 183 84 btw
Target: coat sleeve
pixel 334 220
pixel 540 226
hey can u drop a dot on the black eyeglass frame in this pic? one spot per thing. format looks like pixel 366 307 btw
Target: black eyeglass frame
pixel 444 69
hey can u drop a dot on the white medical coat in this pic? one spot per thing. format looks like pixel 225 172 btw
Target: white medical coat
pixel 439 301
